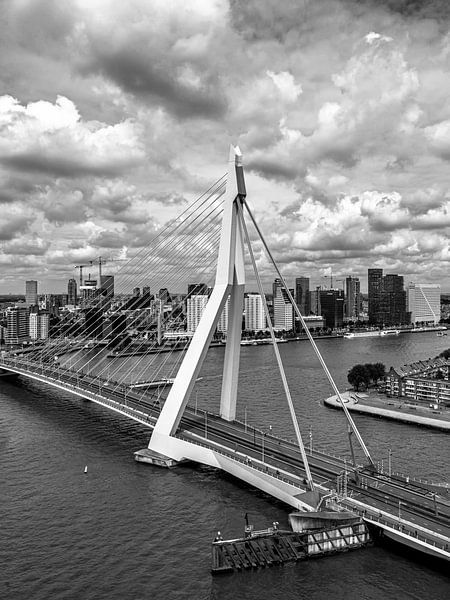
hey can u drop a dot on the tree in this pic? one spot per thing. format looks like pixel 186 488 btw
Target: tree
pixel 359 376
pixel 379 371
pixel 372 371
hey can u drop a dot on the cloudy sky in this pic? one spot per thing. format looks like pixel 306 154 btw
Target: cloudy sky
pixel 115 115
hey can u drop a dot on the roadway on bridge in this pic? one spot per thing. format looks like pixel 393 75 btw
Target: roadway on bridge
pixel 412 502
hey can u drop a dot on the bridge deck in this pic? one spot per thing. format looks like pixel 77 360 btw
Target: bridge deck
pixel 409 508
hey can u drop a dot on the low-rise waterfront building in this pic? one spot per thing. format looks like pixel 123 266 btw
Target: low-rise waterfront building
pixel 423 382
pixel 314 322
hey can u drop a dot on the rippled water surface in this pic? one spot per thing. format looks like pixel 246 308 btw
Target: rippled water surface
pixel 131 531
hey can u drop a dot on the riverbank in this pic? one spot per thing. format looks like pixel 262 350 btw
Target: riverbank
pixel 396 409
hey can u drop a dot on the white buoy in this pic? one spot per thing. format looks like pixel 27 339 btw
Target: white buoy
pixel 85 469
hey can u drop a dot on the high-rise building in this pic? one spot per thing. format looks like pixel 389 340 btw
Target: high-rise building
pixel 34 325
pixel 88 292
pixel 195 306
pixel 147 297
pixel 302 296
pixel 53 302
pixel 199 289
pixel 352 298
pixel 72 292
pixel 375 287
pixel 107 286
pixel 255 318
pixel 222 324
pixel 164 296
pixel 424 303
pixel 31 294
pixel 39 325
pixel 44 326
pixel 283 311
pixel 276 285
pixel 332 307
pixel 17 324
pixel 93 322
pixel 314 301
pixel 393 301
pixel 114 327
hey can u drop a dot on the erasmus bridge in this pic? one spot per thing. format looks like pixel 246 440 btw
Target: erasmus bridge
pixel 153 382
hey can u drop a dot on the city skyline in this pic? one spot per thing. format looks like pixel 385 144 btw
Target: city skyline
pixel 110 124
pixel 99 314
pixel 71 287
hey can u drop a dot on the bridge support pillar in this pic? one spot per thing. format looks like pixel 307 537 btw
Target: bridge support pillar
pixel 230 282
pixel 151 457
pixel 230 377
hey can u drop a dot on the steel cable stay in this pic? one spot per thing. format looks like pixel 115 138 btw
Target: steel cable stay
pixel 170 276
pixel 93 358
pixel 350 421
pixel 277 352
pixel 168 355
pixel 169 263
pixel 167 366
pixel 53 348
pixel 164 259
pixel 204 240
pixel 208 244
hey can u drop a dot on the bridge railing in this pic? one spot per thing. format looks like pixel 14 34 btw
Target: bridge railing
pixel 245 460
pixel 46 373
pixel 292 442
pixel 394 523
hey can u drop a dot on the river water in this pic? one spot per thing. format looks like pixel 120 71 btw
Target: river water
pixel 130 531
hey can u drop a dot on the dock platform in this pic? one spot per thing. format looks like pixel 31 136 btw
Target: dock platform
pixel 275 547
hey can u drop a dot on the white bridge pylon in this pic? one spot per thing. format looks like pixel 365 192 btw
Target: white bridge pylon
pixel 229 283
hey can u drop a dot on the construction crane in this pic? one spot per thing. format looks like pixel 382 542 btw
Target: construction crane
pixel 81 271
pixel 101 261
pixel 336 280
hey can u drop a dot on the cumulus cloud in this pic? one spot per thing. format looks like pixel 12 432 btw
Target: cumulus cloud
pixel 439 138
pixel 13 221
pixel 33 245
pixel 118 114
pixel 372 38
pixel 52 138
pixel 162 54
pixel 285 83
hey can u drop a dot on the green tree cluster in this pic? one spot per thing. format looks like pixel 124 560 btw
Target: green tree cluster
pixel 361 376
